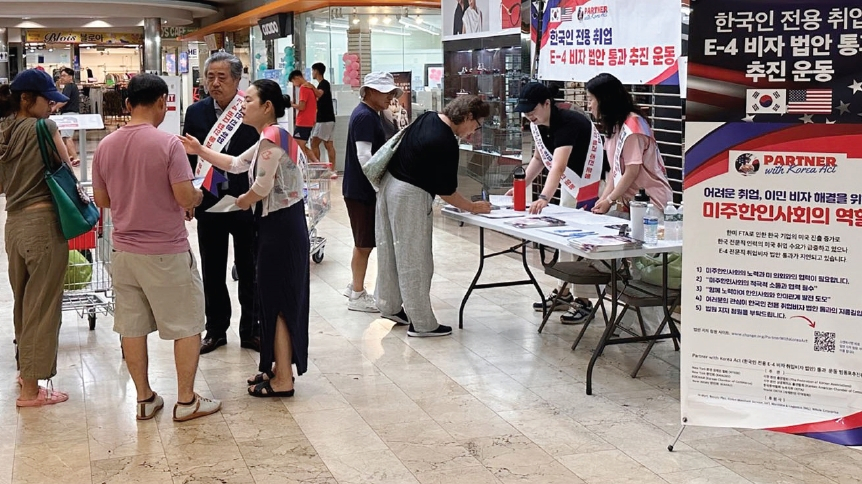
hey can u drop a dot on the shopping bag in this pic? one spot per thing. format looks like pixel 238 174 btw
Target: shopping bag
pixel 649 269
pixel 78 214
pixel 79 272
pixel 375 168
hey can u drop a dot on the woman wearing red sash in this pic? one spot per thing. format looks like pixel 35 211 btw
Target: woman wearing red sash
pixel 635 159
pixel 276 194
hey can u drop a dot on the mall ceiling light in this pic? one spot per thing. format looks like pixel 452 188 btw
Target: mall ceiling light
pixel 355 20
pixel 387 20
pixel 418 20
pixel 373 20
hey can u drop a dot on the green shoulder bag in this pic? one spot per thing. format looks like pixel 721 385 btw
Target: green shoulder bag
pixel 77 212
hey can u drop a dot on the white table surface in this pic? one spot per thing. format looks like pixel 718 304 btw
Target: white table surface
pixel 574 218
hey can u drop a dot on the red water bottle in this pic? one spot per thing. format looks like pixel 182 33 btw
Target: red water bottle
pixel 519 189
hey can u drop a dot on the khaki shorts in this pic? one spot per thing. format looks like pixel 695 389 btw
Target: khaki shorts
pixel 161 293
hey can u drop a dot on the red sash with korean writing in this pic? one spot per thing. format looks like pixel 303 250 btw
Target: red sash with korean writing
pixel 583 188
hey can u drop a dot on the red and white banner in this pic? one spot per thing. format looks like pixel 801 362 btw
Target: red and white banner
pixel 638 41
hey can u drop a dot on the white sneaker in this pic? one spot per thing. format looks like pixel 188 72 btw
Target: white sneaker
pixel 363 302
pixel 147 410
pixel 348 291
pixel 201 407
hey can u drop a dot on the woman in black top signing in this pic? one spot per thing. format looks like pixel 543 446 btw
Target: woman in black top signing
pixel 424 166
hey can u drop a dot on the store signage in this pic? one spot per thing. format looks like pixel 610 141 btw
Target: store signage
pixel 171 123
pixel 582 39
pixel 173 33
pixel 771 269
pixel 276 26
pixel 486 18
pixel 101 38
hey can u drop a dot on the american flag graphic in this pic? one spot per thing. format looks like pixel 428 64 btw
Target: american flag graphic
pixel 809 101
pixel 566 14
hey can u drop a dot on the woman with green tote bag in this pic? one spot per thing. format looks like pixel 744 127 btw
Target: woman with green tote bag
pixel 36 248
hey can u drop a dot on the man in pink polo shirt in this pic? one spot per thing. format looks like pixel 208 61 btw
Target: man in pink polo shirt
pixel 144 177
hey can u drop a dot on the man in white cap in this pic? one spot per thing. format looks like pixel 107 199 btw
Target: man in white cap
pixel 364 137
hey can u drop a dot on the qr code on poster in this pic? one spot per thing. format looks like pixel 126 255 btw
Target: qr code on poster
pixel 824 341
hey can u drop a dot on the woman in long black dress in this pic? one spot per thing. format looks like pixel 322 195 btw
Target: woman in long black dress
pixel 282 239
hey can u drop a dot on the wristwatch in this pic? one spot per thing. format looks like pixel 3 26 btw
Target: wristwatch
pixel 543 197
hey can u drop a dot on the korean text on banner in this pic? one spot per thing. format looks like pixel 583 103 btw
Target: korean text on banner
pixel 771 277
pixel 582 38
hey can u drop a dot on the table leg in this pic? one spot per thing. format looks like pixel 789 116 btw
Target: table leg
pixel 609 328
pixel 475 278
pixel 546 310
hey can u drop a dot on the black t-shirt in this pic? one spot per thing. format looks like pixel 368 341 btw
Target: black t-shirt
pixel 70 90
pixel 364 126
pixel 428 156
pixel 569 128
pixel 325 110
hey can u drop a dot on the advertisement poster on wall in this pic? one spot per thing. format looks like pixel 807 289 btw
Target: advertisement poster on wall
pixel 773 218
pixel 171 124
pixel 581 39
pixel 400 111
pixel 470 19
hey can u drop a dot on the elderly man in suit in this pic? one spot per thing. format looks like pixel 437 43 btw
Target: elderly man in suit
pixel 215 122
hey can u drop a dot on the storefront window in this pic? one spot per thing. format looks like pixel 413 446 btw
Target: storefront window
pixel 354 41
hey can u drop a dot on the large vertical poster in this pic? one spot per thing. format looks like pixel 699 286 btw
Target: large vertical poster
pixel 470 19
pixel 638 41
pixel 773 263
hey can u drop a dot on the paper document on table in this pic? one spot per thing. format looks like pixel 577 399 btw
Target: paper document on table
pixel 501 201
pixel 226 204
pixel 497 214
pixel 570 233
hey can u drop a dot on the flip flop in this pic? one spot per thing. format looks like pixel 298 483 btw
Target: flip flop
pixel 261 377
pixel 45 397
pixel 260 388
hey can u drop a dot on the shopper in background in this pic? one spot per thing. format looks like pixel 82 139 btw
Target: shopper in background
pixel 567 136
pixel 222 74
pixel 142 174
pixel 306 113
pixel 365 136
pixel 424 166
pixel 282 238
pixel 636 161
pixel 72 106
pixel 36 249
pixel 325 127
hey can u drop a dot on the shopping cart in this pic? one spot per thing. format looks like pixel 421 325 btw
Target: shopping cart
pixel 90 254
pixel 317 178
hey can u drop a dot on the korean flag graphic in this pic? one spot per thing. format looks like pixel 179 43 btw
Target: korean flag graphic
pixel 766 101
pixel 556 14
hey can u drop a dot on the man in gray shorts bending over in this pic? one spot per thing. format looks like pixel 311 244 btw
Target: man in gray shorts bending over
pixel 144 177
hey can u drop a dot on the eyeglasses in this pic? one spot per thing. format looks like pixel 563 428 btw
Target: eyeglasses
pixel 479 125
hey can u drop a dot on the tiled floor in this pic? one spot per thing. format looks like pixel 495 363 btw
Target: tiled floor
pixel 493 403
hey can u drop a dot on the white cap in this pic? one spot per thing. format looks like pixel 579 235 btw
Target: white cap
pixel 380 81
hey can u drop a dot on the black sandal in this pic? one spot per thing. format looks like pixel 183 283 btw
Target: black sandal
pixel 260 388
pixel 259 378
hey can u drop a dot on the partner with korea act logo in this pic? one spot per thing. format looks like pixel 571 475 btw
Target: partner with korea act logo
pixel 748 163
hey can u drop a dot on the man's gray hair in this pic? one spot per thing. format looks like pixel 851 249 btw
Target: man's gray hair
pixel 232 60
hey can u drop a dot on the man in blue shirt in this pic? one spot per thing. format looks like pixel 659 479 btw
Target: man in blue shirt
pixel 364 137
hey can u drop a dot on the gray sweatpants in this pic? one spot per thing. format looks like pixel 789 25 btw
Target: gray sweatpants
pixel 405 263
